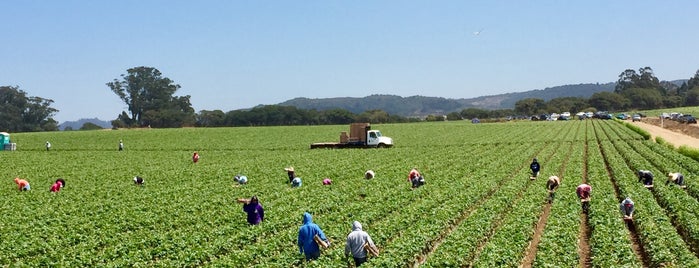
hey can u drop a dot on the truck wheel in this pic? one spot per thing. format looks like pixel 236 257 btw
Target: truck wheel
pixel 382 145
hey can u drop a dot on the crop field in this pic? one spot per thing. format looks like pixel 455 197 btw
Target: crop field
pixel 478 208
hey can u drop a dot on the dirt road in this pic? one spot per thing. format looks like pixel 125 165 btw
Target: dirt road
pixel 675 138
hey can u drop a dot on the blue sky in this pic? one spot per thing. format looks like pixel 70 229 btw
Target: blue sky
pixel 237 54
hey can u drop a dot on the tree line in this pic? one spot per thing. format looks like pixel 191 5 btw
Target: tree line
pixel 151 102
pixel 640 90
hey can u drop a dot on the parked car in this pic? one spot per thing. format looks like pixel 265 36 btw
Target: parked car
pixel 602 115
pixel 687 119
pixel 622 116
pixel 636 117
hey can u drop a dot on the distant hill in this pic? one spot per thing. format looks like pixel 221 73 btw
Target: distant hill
pixel 421 105
pixel 508 100
pixel 75 125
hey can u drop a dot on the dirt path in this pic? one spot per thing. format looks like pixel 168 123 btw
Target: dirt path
pixel 673 137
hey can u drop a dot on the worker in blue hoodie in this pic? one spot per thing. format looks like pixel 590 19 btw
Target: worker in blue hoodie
pixel 306 241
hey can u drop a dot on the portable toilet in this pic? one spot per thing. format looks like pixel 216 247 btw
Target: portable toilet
pixel 4 139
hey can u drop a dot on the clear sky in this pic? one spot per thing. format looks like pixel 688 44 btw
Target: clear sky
pixel 232 54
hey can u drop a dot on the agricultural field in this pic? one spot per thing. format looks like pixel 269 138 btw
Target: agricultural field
pixel 479 208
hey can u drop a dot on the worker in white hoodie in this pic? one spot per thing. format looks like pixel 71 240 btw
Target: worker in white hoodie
pixel 358 243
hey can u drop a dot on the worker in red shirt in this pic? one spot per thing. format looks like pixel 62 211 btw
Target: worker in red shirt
pixel 583 192
pixel 415 178
pixel 195 157
pixel 23 184
pixel 58 185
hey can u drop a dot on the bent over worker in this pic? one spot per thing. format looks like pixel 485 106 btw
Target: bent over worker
pixel 583 191
pixel 57 185
pixel 627 208
pixel 551 186
pixel 416 178
pixel 22 184
pixel 646 177
pixel 553 183
pixel 676 178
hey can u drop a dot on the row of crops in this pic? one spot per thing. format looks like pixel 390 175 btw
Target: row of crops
pixel 479 207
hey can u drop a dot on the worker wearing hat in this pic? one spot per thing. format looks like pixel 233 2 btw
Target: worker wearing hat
pixel 292 174
pixel 369 174
pixel 677 178
pixel 551 186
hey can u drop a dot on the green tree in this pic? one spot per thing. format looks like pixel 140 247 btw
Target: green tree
pixel 644 98
pixel 150 99
pixel 530 106
pixel 215 118
pixel 475 113
pixel 627 79
pixel 609 101
pixel 693 97
pixel 453 116
pixel 374 116
pixel 22 113
pixel 337 116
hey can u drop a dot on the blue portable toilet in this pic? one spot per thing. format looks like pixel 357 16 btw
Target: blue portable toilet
pixel 4 139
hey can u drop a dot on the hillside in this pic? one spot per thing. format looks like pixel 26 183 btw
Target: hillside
pixel 422 105
pixel 75 125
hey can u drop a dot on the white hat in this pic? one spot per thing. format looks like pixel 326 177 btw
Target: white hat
pixel 369 174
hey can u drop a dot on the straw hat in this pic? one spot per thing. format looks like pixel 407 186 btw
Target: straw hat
pixel 289 169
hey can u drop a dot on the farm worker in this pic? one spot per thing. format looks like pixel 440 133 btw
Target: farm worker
pixel 121 145
pixel 195 157
pixel 58 185
pixel 677 178
pixel 22 184
pixel 551 186
pixel 626 208
pixel 553 183
pixel 138 181
pixel 296 182
pixel 535 167
pixel 583 192
pixel 48 145
pixel 307 244
pixel 369 174
pixel 292 174
pixel 356 240
pixel 240 179
pixel 256 213
pixel 415 178
pixel 646 177
pixel 327 181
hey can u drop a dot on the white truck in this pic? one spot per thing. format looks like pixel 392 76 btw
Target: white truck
pixel 361 136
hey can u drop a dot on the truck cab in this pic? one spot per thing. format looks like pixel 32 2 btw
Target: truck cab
pixel 374 138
